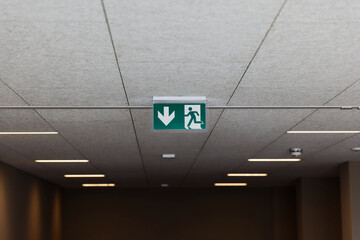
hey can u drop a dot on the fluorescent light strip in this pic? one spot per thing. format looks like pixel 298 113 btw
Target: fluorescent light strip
pixel 274 160
pixel 98 185
pixel 84 175
pixel 321 132
pixel 247 174
pixel 61 161
pixel 27 133
pixel 230 184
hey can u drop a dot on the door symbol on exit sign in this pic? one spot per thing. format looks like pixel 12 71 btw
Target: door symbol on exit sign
pixel 193 117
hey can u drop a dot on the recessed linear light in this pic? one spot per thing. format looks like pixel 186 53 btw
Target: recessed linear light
pixel 26 133
pixel 274 160
pixel 356 149
pixel 164 185
pixel 230 184
pixel 84 175
pixel 62 161
pixel 168 155
pixel 320 132
pixel 98 185
pixel 247 174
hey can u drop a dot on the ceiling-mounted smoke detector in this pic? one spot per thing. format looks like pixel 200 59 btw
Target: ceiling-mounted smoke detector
pixel 295 152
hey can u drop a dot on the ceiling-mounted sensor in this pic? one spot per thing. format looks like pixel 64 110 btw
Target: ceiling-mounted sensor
pixel 295 152
pixel 356 149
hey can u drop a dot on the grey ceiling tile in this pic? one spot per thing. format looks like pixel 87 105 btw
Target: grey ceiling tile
pixel 309 143
pixel 60 64
pixel 106 137
pixel 8 97
pixel 40 146
pixel 51 11
pixel 322 153
pixel 191 42
pixel 186 146
pixel 71 168
pixel 302 64
pixel 350 97
pixel 321 11
pixel 339 153
pixel 239 135
pixel 12 120
pixel 19 161
pixel 216 82
pixel 331 120
pixel 187 48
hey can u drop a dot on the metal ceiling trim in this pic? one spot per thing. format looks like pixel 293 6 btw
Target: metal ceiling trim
pixel 209 107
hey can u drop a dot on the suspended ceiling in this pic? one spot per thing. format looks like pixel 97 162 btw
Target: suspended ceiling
pixel 236 52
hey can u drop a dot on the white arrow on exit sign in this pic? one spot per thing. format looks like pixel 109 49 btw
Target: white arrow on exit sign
pixel 166 118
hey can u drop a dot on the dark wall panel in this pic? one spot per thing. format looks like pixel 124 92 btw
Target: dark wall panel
pixel 319 209
pixel 169 214
pixel 284 214
pixel 30 208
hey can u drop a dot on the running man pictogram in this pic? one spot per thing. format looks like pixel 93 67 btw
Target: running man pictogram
pixel 192 115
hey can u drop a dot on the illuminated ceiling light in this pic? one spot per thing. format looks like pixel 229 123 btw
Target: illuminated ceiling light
pixel 168 155
pixel 356 149
pixel 27 133
pixel 98 185
pixel 247 174
pixel 230 184
pixel 62 161
pixel 274 159
pixel 84 175
pixel 164 185
pixel 320 132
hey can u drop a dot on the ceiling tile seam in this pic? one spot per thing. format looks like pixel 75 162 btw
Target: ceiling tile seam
pixel 124 88
pixel 257 50
pixel 201 149
pixel 306 117
pixel 48 123
pixel 114 50
pixel 327 102
pixel 235 89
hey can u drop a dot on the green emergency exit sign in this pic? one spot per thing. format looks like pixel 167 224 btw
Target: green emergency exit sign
pixel 179 113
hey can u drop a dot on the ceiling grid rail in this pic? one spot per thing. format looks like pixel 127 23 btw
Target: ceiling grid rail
pixel 208 107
